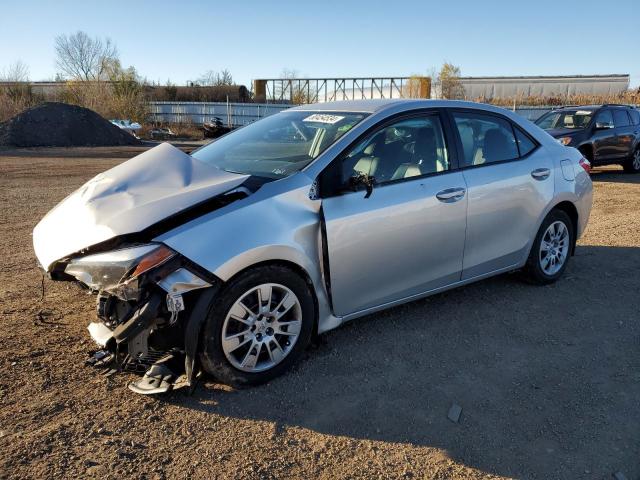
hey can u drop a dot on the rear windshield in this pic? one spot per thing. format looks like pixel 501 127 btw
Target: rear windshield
pixel 279 145
pixel 572 119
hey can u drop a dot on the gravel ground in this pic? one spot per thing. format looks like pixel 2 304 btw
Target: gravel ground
pixel 548 378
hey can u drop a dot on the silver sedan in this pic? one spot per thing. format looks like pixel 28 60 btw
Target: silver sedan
pixel 231 259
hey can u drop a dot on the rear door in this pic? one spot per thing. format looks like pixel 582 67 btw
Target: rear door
pixel 407 236
pixel 604 137
pixel 509 179
pixel 624 133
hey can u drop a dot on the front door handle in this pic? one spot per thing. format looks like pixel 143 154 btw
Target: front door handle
pixel 541 173
pixel 451 195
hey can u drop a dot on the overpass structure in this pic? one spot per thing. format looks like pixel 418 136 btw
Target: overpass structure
pixel 312 90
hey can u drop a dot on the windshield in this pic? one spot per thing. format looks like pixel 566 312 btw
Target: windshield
pixel 279 145
pixel 573 119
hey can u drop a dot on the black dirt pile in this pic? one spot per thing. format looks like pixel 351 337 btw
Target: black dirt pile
pixel 61 125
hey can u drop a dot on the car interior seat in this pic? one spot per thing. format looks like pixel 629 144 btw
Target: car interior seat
pixel 497 146
pixel 368 161
pixel 469 146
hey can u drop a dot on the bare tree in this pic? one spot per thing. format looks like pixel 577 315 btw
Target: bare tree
pixel 225 78
pixel 293 89
pixel 16 94
pixel 81 57
pixel 16 72
pixel 215 79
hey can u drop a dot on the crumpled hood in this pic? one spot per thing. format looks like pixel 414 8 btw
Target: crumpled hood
pixel 127 199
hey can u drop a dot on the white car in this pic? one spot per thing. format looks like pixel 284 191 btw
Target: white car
pixel 128 126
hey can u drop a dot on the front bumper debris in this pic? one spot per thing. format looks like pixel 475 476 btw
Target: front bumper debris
pixel 100 333
pixel 155 335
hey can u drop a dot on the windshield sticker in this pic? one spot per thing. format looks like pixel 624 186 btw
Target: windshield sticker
pixel 323 118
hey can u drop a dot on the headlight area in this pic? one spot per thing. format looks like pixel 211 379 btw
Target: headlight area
pixel 143 293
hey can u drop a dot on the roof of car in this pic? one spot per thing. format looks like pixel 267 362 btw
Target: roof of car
pixel 591 107
pixel 376 105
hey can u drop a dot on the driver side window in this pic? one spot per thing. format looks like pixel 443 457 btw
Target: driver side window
pixel 407 148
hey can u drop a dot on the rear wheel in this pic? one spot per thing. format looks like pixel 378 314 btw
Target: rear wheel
pixel 633 164
pixel 258 326
pixel 551 249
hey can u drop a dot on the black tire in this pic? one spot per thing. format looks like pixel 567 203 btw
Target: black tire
pixel 629 166
pixel 533 271
pixel 212 356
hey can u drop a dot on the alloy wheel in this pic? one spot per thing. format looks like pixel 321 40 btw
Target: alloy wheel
pixel 554 248
pixel 636 160
pixel 261 327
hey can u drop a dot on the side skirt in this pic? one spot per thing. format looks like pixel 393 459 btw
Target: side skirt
pixel 384 306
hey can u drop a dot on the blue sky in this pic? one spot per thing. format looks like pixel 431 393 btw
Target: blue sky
pixel 180 40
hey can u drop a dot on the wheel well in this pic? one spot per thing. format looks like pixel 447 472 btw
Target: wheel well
pixel 570 209
pixel 587 151
pixel 296 269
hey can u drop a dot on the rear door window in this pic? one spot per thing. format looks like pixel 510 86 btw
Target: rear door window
pixel 485 138
pixel 620 118
pixel 635 116
pixel 604 117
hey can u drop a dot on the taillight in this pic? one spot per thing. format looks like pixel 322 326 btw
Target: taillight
pixel 584 163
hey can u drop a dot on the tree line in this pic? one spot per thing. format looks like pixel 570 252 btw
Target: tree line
pixel 94 77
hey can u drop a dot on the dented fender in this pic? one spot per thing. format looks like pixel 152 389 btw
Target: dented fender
pixel 267 226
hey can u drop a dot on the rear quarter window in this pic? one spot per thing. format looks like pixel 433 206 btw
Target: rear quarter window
pixel 525 144
pixel 635 116
pixel 620 118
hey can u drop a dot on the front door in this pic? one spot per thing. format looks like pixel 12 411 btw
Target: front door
pixel 407 236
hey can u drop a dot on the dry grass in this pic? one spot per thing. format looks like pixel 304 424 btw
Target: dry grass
pixel 628 97
pixel 16 98
pixel 124 99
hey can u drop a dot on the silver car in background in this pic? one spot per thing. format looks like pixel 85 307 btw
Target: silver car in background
pixel 230 259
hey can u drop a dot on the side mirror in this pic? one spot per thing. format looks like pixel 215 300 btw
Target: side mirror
pixel 603 126
pixel 331 182
pixel 362 180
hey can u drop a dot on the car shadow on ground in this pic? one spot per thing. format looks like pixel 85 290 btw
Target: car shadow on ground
pixel 612 175
pixel 546 377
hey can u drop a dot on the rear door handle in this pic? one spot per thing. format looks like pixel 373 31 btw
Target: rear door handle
pixel 541 173
pixel 451 195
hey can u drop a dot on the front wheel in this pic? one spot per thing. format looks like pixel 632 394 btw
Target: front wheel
pixel 258 326
pixel 551 249
pixel 633 164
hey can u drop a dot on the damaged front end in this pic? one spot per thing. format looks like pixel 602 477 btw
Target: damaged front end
pixel 147 320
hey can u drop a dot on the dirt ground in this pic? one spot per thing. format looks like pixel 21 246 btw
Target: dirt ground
pixel 548 377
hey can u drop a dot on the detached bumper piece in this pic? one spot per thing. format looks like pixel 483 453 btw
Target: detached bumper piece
pixel 162 377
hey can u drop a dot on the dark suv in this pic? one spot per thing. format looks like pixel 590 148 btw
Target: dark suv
pixel 605 134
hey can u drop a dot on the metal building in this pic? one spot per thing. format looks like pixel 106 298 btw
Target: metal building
pixel 556 86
